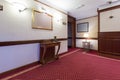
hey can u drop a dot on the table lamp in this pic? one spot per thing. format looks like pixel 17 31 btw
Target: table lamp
pixel 86 36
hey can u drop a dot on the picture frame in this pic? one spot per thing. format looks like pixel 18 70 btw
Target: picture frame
pixel 83 27
pixel 41 20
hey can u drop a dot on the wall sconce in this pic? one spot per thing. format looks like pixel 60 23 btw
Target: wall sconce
pixel 43 10
pixel 86 36
pixel 64 23
pixel 1 7
pixel 57 17
pixel 21 7
pixel 111 17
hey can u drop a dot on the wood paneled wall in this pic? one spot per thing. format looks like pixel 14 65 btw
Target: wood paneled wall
pixel 109 42
pixel 9 43
pixel 72 20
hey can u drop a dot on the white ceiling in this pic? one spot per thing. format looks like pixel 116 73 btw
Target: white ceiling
pixel 73 7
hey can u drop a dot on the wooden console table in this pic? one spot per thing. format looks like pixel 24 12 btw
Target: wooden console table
pixel 48 51
pixel 86 46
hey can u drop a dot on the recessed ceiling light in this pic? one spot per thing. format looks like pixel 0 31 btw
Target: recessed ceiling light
pixel 80 6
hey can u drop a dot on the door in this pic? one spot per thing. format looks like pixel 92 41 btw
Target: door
pixel 71 32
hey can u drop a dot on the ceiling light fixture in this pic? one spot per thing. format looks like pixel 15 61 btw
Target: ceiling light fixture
pixel 110 2
pixel 80 6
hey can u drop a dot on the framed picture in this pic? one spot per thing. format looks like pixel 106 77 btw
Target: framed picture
pixel 83 27
pixel 42 20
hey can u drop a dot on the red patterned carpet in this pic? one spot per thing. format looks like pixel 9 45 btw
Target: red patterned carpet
pixel 75 66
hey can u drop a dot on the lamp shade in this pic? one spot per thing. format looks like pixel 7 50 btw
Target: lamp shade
pixel 86 35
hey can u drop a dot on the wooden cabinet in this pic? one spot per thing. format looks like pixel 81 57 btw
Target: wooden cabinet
pixel 49 51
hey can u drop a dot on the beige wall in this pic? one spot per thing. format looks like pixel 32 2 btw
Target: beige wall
pixel 93 27
pixel 93 32
pixel 17 26
pixel 110 24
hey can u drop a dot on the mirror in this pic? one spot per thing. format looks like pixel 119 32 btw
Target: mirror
pixel 42 20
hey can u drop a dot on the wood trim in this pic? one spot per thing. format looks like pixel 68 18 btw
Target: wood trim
pixel 16 70
pixel 8 43
pixel 109 42
pixel 110 55
pixel 98 21
pixel 98 27
pixel 86 18
pixel 87 38
pixel 51 7
pixel 61 39
pixel 72 20
pixel 109 35
pixel 108 9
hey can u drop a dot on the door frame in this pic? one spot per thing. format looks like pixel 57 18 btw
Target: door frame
pixel 72 20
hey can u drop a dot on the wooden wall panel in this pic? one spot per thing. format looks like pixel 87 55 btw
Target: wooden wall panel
pixel 9 43
pixel 72 21
pixel 109 42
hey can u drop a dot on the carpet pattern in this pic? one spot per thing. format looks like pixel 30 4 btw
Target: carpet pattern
pixel 75 66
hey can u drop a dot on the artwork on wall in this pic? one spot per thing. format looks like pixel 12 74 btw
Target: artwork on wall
pixel 42 20
pixel 83 27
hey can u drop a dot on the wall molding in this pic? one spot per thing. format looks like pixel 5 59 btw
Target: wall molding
pixel 51 7
pixel 109 42
pixel 87 17
pixel 108 9
pixel 87 38
pixel 16 70
pixel 72 22
pixel 9 43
